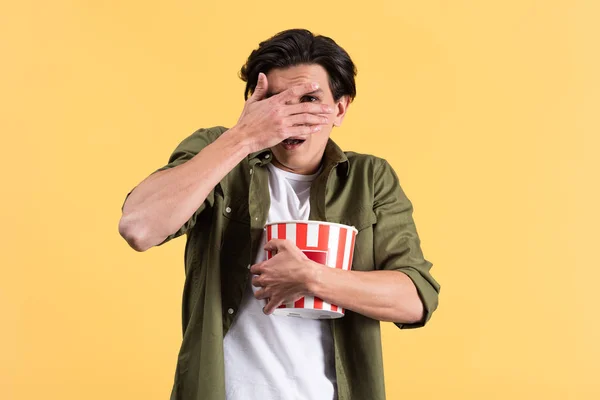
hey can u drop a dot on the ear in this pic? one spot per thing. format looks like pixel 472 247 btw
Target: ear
pixel 341 107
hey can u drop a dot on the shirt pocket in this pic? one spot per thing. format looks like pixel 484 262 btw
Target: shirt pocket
pixel 235 233
pixel 235 210
pixel 360 219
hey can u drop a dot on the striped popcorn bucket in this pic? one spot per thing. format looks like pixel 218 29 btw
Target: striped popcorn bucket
pixel 327 243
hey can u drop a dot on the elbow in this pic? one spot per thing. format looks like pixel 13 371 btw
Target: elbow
pixel 415 313
pixel 134 233
pixel 405 313
pixel 408 309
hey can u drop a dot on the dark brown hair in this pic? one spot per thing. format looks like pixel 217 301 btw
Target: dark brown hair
pixel 299 46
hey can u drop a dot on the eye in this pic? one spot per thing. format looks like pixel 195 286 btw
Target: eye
pixel 308 98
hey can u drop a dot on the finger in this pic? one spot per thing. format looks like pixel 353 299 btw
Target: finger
pixel 271 306
pixel 261 294
pixel 302 130
pixel 306 119
pixel 256 281
pixel 277 245
pixel 257 269
pixel 311 108
pixel 260 91
pixel 295 92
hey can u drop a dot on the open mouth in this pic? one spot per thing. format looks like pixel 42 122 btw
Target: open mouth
pixel 292 141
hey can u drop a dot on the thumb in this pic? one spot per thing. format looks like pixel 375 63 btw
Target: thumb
pixel 262 85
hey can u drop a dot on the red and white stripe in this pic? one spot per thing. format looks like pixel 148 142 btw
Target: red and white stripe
pixel 336 240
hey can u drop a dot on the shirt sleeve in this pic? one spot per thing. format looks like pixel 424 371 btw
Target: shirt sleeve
pixel 184 152
pixel 396 242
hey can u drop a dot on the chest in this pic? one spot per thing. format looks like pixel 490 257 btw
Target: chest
pixel 243 202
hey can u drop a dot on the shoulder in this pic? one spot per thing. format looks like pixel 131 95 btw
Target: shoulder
pixel 192 145
pixel 374 173
pixel 367 163
pixel 200 139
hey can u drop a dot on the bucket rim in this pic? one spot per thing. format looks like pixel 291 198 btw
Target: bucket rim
pixel 313 223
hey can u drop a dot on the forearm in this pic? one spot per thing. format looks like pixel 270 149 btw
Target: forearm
pixel 164 201
pixel 382 295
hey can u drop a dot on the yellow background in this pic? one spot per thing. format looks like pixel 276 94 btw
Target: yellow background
pixel 488 110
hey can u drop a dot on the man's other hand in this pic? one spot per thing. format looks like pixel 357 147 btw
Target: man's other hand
pixel 283 278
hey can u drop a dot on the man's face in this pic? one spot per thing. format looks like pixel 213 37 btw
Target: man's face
pixel 305 158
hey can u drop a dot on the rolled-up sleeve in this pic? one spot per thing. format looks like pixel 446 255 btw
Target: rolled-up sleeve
pixel 396 242
pixel 184 152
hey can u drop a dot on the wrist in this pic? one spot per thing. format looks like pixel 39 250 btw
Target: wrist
pixel 314 276
pixel 240 137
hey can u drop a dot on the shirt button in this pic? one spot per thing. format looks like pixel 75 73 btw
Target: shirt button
pixel 256 218
pixel 230 311
pixel 249 266
pixel 228 209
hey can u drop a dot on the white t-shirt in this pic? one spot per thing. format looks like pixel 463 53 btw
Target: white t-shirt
pixel 269 357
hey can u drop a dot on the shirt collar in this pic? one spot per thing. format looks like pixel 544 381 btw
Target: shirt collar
pixel 265 155
pixel 333 155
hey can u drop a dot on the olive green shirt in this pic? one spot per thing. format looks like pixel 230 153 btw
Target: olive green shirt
pixel 224 235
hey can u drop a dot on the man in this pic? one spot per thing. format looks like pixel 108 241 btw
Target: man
pixel 222 186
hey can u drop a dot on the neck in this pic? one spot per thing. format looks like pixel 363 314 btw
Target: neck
pixel 302 170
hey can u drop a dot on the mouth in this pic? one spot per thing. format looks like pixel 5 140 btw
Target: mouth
pixel 292 143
